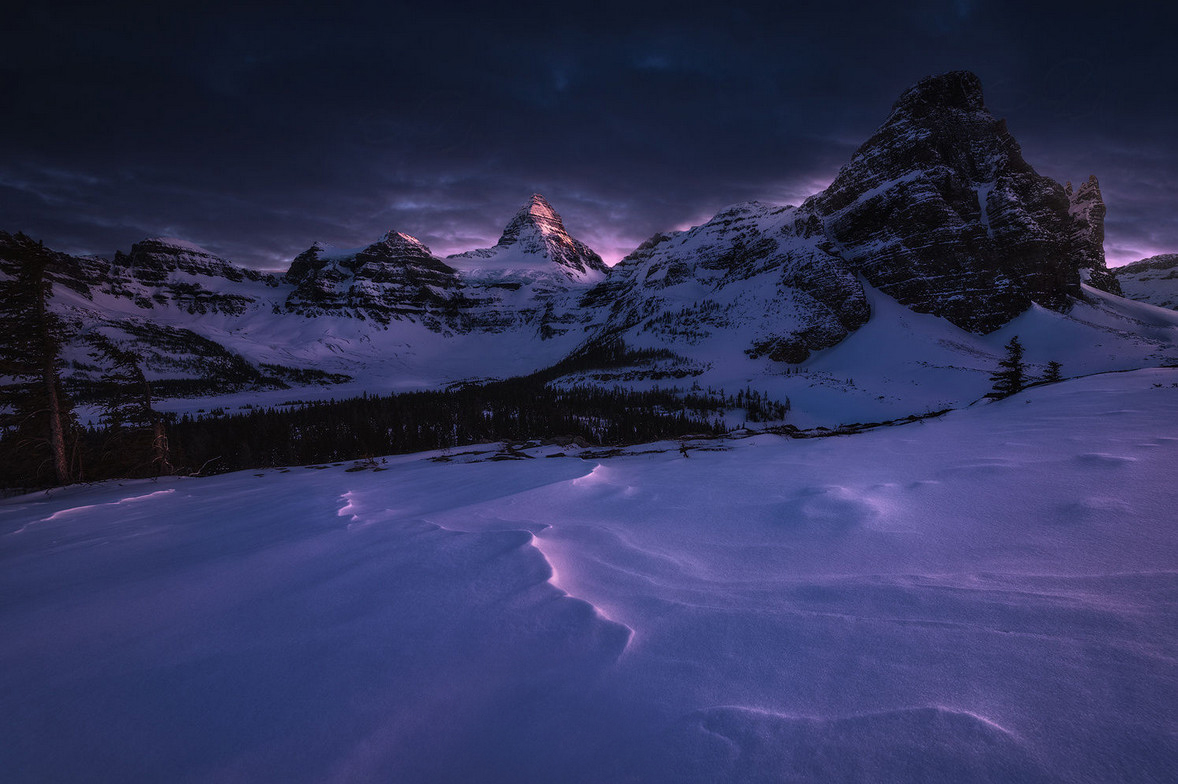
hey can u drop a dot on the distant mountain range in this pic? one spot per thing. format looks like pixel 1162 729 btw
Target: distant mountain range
pixel 890 291
pixel 1153 280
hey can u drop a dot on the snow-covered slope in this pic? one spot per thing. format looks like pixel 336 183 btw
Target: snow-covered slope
pixel 534 240
pixel 1153 280
pixel 749 277
pixel 986 597
pixel 933 243
pixel 937 213
pixel 383 317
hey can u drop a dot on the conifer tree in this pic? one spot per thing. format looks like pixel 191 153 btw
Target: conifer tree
pixel 1012 374
pixel 38 427
pixel 135 428
pixel 1053 374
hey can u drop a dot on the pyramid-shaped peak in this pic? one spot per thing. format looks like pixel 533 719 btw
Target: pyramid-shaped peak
pixel 538 207
pixel 538 212
pixel 537 216
pixel 536 230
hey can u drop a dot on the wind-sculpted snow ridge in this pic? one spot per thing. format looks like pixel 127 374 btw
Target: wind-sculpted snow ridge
pixel 985 597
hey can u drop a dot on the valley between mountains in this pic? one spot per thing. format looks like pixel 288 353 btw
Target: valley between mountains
pixel 837 555
pixel 890 293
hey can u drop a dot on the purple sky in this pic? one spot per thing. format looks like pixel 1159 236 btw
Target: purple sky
pixel 254 131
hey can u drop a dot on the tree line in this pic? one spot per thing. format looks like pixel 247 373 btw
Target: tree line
pixel 42 442
pixel 1012 376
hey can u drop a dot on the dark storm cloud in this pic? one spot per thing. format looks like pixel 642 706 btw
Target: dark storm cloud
pixel 256 130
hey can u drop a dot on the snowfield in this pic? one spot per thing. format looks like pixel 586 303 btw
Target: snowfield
pixel 991 596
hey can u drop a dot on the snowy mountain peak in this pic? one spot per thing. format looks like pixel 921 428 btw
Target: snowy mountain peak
pixel 156 259
pixel 542 212
pixel 939 210
pixel 400 240
pixel 1086 206
pixel 537 232
pixel 537 217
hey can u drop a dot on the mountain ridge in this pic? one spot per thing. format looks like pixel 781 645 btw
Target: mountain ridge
pixel 936 212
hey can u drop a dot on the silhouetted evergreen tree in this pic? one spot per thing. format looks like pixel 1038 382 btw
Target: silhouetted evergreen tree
pixel 1012 374
pixel 38 429
pixel 516 409
pixel 1053 372
pixel 137 438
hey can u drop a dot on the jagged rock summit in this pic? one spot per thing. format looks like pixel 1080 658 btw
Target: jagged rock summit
pixel 939 210
pixel 537 231
pixel 1087 209
pixel 937 213
pixel 394 277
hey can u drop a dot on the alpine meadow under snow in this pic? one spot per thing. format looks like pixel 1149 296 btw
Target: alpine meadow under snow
pixel 917 570
pixel 987 596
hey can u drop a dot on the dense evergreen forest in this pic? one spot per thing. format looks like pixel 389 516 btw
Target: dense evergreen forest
pixel 514 410
pixel 137 443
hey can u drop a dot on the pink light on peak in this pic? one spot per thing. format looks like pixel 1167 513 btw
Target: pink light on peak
pixel 1118 256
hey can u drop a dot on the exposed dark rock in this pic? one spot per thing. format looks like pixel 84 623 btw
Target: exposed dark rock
pixel 393 278
pixel 1087 209
pixel 151 261
pixel 939 210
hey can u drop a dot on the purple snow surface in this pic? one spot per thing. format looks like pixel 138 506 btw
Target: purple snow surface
pixel 992 596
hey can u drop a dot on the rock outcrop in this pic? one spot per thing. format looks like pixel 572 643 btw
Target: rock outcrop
pixel 939 210
pixel 1087 209
pixel 395 277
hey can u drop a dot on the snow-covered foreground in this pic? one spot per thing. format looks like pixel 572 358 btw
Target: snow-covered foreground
pixel 991 596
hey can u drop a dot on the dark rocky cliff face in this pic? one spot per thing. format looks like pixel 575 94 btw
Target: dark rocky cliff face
pixel 152 260
pixel 1088 212
pixel 395 277
pixel 939 210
